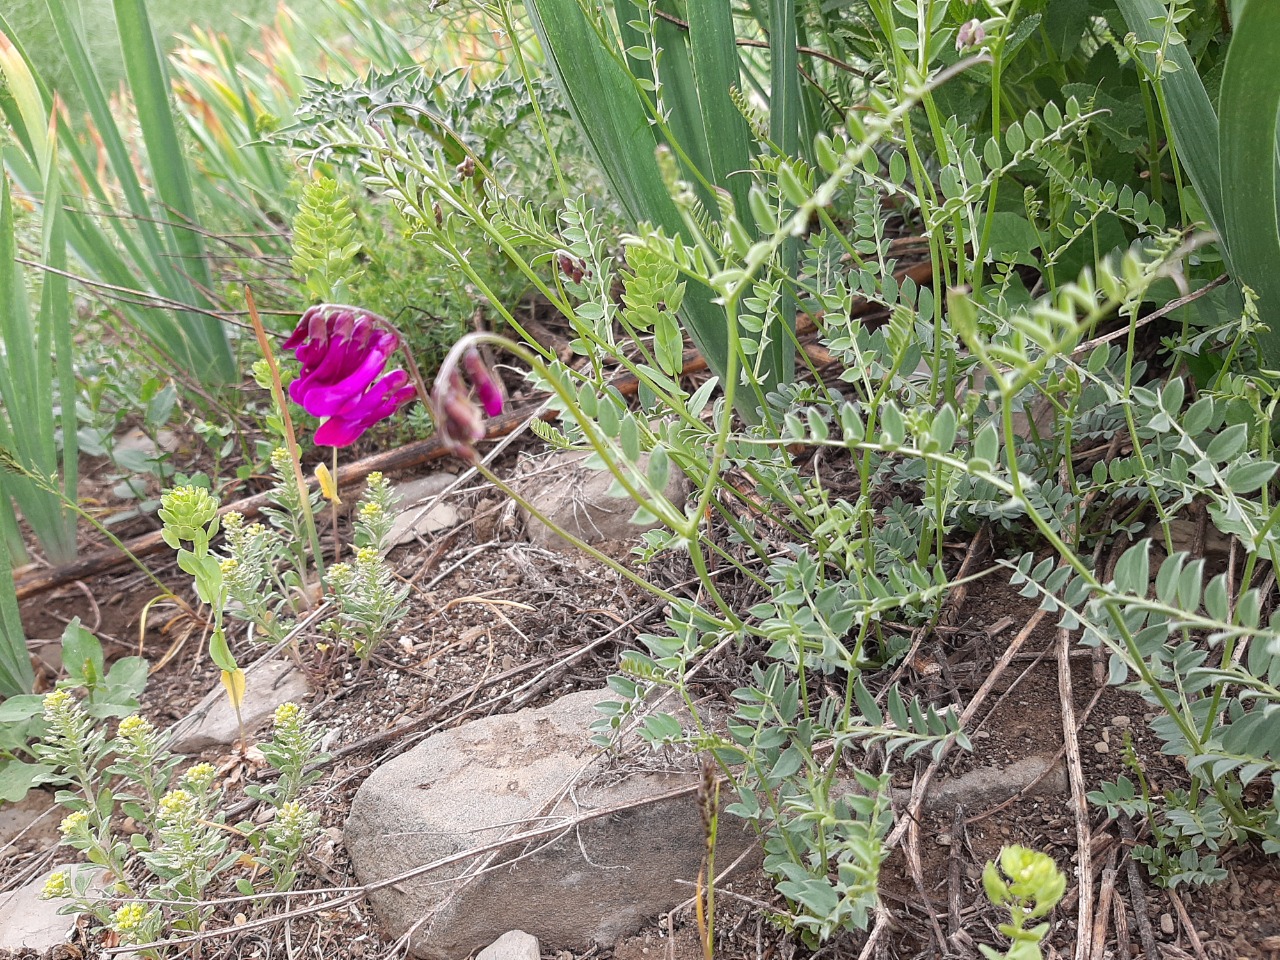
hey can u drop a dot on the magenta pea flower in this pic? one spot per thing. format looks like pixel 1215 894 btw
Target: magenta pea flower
pixel 344 380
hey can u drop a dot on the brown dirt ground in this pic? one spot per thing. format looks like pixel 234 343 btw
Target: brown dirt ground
pixel 492 623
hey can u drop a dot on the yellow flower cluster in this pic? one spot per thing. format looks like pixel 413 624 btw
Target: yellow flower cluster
pixel 287 714
pixel 133 727
pixel 128 918
pixel 57 886
pixel 74 823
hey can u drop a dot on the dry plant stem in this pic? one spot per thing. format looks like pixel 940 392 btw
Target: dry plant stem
pixel 955 923
pixel 333 510
pixel 1062 752
pixel 921 788
pixel 912 851
pixel 290 438
pixel 1102 915
pixel 877 932
pixel 1124 945
pixel 1137 892
pixel 1075 773
pixel 1187 925
pixel 949 610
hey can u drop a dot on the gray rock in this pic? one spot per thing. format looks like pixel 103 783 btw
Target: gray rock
pixel 576 499
pixel 27 921
pixel 512 945
pixel 417 515
pixel 136 442
pixel 32 822
pixel 990 785
pixel 493 778
pixel 213 722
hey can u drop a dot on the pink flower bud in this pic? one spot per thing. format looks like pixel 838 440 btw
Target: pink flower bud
pixel 483 380
pixel 970 34
pixel 573 268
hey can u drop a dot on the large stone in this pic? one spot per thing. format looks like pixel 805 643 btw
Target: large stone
pixel 419 511
pixel 28 922
pixel 31 822
pixel 213 722
pixel 576 499
pixel 513 945
pixel 493 778
pixel 987 786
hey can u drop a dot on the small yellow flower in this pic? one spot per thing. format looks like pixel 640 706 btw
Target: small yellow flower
pixel 57 886
pixel 55 701
pixel 294 817
pixel 200 776
pixel 233 520
pixel 374 479
pixel 176 802
pixel 228 566
pixel 367 556
pixel 128 918
pixel 281 462
pixel 133 727
pixel 287 714
pixel 339 575
pixel 73 823
pixel 371 511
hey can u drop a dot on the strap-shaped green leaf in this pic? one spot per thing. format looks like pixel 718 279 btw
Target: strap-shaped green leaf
pixel 1247 128
pixel 609 110
pixel 1191 114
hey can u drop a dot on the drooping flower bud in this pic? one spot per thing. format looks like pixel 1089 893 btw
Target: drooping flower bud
pixel 573 268
pixel 483 380
pixel 970 34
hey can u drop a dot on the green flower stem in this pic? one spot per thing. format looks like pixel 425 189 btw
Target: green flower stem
pixel 290 438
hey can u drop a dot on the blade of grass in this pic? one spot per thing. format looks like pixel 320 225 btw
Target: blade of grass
pixel 195 340
pixel 26 385
pixel 1247 129
pixel 713 55
pixel 786 118
pixel 16 675
pixel 149 84
pixel 1193 122
pixel 615 124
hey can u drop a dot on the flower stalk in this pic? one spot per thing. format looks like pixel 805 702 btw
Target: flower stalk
pixel 290 438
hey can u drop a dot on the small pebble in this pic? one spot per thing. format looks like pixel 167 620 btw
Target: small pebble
pixel 944 839
pixel 982 735
pixel 1121 720
pixel 1102 747
pixel 1166 924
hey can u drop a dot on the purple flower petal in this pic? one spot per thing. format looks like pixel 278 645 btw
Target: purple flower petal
pixel 340 432
pixel 327 399
pixel 371 399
